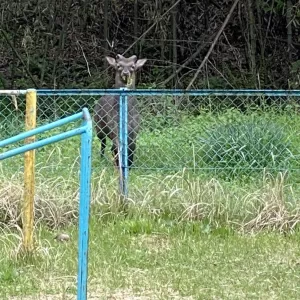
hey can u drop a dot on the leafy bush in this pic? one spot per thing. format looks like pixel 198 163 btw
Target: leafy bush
pixel 243 147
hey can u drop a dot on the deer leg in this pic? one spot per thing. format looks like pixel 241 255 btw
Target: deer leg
pixel 102 139
pixel 103 146
pixel 115 153
pixel 131 149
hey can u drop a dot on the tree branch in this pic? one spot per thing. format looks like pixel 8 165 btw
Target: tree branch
pixel 213 44
pixel 194 55
pixel 149 29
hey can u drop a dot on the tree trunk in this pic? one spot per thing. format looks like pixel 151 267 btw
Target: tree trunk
pixel 261 70
pixel 174 42
pixel 206 15
pixel 105 26
pixel 135 26
pixel 289 8
pixel 162 40
pixel 252 40
pixel 62 40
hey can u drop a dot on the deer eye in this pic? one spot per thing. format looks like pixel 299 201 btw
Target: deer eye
pixel 132 68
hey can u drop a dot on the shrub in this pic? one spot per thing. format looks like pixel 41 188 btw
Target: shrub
pixel 243 147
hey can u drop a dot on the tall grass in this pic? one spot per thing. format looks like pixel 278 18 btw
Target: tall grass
pixel 171 178
pixel 176 198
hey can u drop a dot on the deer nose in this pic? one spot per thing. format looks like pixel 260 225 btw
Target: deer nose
pixel 125 73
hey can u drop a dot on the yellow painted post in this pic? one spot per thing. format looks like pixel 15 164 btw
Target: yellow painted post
pixel 29 176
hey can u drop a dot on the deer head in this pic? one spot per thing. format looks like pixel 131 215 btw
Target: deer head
pixel 125 69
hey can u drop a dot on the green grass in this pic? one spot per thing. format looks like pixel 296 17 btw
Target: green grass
pixel 190 233
pixel 210 143
pixel 158 260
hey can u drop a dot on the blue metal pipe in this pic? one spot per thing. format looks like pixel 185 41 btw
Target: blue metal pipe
pixel 120 150
pixel 170 92
pixel 123 134
pixel 85 181
pixel 121 144
pixel 40 129
pixel 125 152
pixel 84 205
pixel 41 143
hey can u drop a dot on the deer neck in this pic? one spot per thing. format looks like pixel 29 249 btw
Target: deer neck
pixel 119 82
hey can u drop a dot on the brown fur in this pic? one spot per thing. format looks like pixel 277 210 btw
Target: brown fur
pixel 107 108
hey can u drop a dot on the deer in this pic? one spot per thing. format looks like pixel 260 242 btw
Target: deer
pixel 107 108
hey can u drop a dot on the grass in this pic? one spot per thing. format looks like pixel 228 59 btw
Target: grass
pixel 214 143
pixel 189 233
pixel 146 259
pixel 185 237
pixel 272 204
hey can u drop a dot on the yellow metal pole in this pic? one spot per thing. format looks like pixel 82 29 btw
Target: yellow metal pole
pixel 29 180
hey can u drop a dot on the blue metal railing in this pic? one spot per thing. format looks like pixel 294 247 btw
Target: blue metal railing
pixel 160 92
pixel 85 179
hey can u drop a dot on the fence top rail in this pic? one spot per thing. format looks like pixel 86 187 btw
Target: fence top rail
pixel 156 92
pixel 169 92
pixel 13 92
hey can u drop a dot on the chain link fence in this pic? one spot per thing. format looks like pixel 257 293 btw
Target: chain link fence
pixel 225 133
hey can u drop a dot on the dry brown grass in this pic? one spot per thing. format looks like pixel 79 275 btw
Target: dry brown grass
pixel 275 212
pixel 55 204
pixel 271 206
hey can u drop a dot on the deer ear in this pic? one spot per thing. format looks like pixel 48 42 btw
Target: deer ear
pixel 111 61
pixel 119 57
pixel 140 63
pixel 133 58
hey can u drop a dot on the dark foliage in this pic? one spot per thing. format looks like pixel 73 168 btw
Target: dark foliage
pixel 61 44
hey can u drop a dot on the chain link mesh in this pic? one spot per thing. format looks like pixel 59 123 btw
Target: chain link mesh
pixel 223 135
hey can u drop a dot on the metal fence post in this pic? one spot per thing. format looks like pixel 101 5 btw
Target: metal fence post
pixel 29 173
pixel 123 136
pixel 84 205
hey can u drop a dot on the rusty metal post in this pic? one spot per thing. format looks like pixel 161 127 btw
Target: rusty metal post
pixel 29 174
